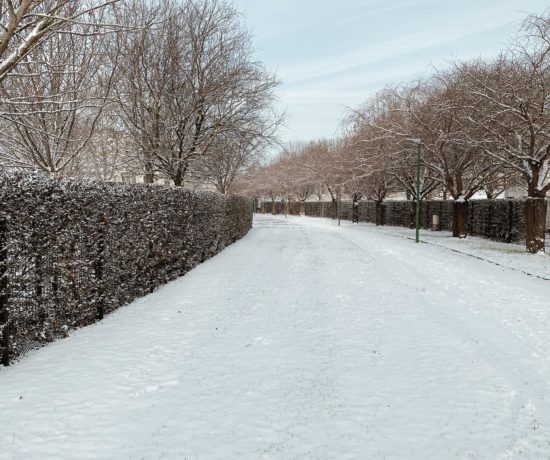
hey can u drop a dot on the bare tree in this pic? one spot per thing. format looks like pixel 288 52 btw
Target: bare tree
pixel 511 111
pixel 440 113
pixel 378 131
pixel 108 156
pixel 387 164
pixel 313 155
pixel 28 24
pixel 189 84
pixel 375 169
pixel 228 156
pixel 236 149
pixel 322 164
pixel 53 104
pixel 295 179
pixel 435 112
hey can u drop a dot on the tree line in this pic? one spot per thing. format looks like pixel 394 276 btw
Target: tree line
pixel 152 88
pixel 482 126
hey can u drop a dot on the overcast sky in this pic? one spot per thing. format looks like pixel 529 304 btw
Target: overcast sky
pixel 333 54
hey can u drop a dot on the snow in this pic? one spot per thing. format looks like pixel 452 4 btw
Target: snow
pixel 542 175
pixel 527 168
pixel 510 256
pixel 303 340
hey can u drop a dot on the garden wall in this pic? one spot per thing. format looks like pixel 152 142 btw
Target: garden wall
pixel 501 220
pixel 74 251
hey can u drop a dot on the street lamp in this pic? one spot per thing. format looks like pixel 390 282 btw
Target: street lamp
pixel 418 144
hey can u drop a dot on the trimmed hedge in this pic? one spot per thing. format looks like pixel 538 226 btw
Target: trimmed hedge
pixel 501 220
pixel 74 251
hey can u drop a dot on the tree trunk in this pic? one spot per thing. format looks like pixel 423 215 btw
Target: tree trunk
pixel 148 178
pixel 380 213
pixel 178 180
pixel 355 213
pixel 273 207
pixel 334 210
pixel 535 223
pixel 460 218
pixel 412 215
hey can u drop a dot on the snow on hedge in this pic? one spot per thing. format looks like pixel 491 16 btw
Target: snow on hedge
pixel 76 250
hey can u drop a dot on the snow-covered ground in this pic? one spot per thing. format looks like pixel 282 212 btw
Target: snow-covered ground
pixel 303 340
pixel 512 256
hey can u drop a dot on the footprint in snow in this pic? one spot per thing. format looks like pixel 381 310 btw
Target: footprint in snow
pixel 257 340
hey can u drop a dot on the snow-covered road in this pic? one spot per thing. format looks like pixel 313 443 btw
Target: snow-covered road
pixel 301 341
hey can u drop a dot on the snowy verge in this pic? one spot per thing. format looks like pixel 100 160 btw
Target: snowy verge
pixel 508 255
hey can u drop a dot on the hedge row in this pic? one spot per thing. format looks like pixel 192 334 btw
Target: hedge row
pixel 501 220
pixel 73 251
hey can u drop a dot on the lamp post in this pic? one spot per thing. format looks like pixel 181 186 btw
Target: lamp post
pixel 418 143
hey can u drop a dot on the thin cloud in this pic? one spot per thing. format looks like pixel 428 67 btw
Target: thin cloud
pixel 380 10
pixel 390 49
pixel 333 55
